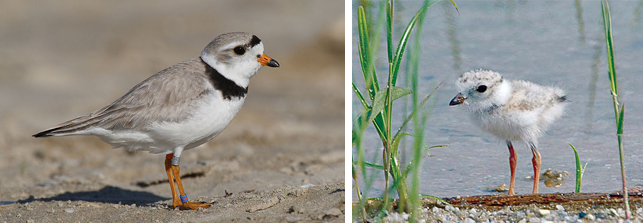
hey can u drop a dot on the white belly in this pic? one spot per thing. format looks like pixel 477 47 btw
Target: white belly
pixel 518 126
pixel 208 119
pixel 205 123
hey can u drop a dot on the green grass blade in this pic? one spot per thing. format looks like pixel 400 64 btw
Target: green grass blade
pixel 363 46
pixel 360 97
pixel 389 29
pixel 398 138
pixel 367 49
pixel 369 164
pixel 363 117
pixel 365 52
pixel 436 198
pixel 419 122
pixel 359 127
pixel 379 126
pixel 362 209
pixel 579 169
pixel 607 25
pixel 376 122
pixel 455 6
pixel 427 149
pixel 358 132
pixel 619 136
pixel 618 113
pixel 619 126
pixel 380 99
pixel 437 146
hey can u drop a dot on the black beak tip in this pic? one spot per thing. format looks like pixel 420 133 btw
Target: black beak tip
pixel 458 99
pixel 273 63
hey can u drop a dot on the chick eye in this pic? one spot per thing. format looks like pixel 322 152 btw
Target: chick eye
pixel 481 88
pixel 239 50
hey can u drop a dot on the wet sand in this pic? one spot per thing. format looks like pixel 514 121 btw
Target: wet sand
pixel 281 158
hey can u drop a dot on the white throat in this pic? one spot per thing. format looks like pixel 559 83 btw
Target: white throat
pixel 240 74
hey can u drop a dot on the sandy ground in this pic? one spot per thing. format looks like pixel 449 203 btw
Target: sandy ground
pixel 281 159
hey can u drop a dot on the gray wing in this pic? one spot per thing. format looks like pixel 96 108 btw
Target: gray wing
pixel 166 96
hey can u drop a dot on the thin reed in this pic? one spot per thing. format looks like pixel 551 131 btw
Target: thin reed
pixel 618 113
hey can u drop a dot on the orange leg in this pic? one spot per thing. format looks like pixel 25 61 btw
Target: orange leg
pixel 536 161
pixel 173 174
pixel 168 169
pixel 512 165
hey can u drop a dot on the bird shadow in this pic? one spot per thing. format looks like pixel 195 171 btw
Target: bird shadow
pixel 107 194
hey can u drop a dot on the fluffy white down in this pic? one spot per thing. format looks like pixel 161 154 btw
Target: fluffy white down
pixel 503 112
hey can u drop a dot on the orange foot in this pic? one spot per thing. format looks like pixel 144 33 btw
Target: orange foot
pixel 193 205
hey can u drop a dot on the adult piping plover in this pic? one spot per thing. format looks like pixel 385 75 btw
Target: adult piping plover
pixel 510 110
pixel 180 107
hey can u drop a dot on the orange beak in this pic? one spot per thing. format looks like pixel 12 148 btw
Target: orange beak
pixel 267 61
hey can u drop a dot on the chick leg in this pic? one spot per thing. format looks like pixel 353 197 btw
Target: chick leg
pixel 512 165
pixel 536 161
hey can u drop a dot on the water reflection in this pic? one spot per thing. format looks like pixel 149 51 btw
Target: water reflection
pixel 452 34
pixel 579 18
pixel 509 8
pixel 592 88
pixel 637 14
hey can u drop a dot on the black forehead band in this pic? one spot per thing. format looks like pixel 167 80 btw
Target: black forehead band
pixel 254 41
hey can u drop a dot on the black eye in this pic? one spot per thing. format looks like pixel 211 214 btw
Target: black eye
pixel 239 50
pixel 481 88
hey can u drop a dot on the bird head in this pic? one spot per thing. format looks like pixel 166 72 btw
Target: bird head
pixel 479 87
pixel 237 55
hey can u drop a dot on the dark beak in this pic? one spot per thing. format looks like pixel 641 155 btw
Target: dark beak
pixel 267 61
pixel 273 63
pixel 458 99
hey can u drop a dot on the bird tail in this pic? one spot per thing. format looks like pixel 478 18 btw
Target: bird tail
pixel 71 127
pixel 47 133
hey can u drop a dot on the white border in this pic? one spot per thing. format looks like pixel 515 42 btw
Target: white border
pixel 348 185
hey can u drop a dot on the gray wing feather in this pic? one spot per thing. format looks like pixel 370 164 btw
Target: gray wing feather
pixel 166 96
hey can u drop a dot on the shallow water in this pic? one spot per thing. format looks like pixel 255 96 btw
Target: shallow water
pixel 551 43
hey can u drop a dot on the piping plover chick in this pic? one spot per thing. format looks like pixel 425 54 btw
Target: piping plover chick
pixel 178 108
pixel 510 110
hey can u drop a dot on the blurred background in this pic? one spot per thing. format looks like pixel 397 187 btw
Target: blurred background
pixel 60 60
